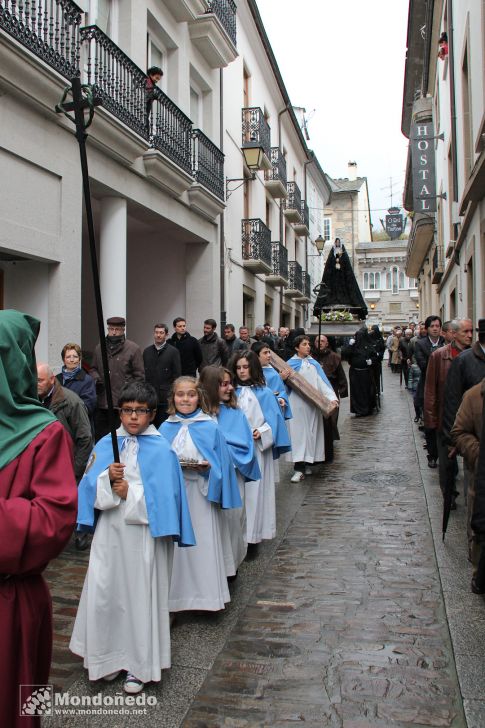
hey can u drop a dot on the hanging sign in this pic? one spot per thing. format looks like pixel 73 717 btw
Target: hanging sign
pixel 394 223
pixel 424 176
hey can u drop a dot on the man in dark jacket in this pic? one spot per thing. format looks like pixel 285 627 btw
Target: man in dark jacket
pixel 162 367
pixel 233 343
pixel 423 349
pixel 435 395
pixel 125 364
pixel 71 412
pixel 188 347
pixel 214 349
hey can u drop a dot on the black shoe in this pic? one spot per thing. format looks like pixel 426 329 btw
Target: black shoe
pixel 421 428
pixel 432 463
pixel 475 588
pixel 453 504
pixel 82 542
pixel 416 419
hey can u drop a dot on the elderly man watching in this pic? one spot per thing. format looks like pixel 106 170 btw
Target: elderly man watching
pixel 71 412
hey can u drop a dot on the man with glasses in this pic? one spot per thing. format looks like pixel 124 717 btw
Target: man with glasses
pixel 125 363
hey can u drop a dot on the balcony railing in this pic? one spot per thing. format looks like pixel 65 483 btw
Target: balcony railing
pixel 294 197
pixel 207 163
pixel 117 81
pixel 256 244
pixel 225 10
pixel 278 164
pixel 279 265
pixel 305 214
pixel 255 130
pixel 295 278
pixel 48 29
pixel 171 131
pixel 438 265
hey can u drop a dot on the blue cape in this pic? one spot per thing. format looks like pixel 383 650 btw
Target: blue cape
pixel 237 433
pixel 295 363
pixel 209 441
pixel 163 484
pixel 274 418
pixel 276 384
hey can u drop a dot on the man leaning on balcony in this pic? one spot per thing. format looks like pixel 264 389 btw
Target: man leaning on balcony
pixel 154 74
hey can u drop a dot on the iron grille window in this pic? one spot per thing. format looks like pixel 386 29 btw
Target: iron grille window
pixel 225 10
pixel 256 240
pixel 207 163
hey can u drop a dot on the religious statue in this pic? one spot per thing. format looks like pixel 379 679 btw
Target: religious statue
pixel 339 288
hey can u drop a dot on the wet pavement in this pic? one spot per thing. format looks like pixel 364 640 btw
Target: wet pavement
pixel 342 620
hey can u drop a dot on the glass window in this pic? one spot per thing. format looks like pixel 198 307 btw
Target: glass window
pixel 401 280
pixel 388 280
pixel 378 281
pixel 327 228
pixel 395 287
pixel 366 281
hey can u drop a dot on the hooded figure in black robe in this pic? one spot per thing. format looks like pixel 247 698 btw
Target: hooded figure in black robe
pixel 339 285
pixel 361 355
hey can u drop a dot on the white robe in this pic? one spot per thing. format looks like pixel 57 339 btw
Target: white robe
pixel 233 532
pixel 123 619
pixel 260 497
pixel 306 426
pixel 199 574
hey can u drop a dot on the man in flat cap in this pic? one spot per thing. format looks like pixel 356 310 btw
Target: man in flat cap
pixel 125 362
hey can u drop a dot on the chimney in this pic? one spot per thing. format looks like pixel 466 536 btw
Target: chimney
pixel 352 167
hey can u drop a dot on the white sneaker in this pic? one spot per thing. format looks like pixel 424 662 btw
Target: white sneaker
pixel 132 685
pixel 297 477
pixel 111 676
pixel 308 471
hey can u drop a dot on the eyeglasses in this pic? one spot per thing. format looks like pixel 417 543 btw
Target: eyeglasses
pixel 129 411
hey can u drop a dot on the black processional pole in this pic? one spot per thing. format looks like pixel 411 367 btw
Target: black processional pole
pixel 82 100
pixel 321 290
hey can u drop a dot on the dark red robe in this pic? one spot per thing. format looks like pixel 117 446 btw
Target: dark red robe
pixel 38 505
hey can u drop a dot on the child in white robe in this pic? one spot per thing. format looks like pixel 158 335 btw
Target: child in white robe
pixel 122 621
pixel 270 438
pixel 199 575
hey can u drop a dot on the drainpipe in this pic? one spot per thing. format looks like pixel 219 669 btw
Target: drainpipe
pixel 305 165
pixel 353 229
pixel 451 58
pixel 222 278
pixel 280 114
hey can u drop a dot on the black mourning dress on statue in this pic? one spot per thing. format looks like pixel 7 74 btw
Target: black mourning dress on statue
pixel 340 287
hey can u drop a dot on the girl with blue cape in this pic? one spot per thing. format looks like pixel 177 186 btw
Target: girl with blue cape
pixel 273 379
pixel 270 438
pixel 222 401
pixel 306 427
pixel 199 576
pixel 123 619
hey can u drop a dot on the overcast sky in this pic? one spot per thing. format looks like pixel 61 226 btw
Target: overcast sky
pixel 344 62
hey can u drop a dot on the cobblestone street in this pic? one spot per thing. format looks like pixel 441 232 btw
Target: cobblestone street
pixel 341 621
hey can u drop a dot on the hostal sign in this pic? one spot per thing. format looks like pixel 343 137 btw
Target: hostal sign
pixel 424 180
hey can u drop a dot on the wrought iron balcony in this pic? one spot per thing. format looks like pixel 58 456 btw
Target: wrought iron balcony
pixel 279 263
pixel 171 131
pixel 48 29
pixel 438 265
pixel 256 246
pixel 292 206
pixel 225 11
pixel 117 81
pixel 275 178
pixel 303 227
pixel 207 163
pixel 256 133
pixel 306 289
pixel 295 280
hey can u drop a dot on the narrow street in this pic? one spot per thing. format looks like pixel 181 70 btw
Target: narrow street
pixel 344 620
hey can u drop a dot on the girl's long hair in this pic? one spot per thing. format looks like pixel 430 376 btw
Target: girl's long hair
pixel 210 379
pixel 256 375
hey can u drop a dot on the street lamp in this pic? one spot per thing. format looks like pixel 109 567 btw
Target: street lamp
pixel 253 156
pixel 319 243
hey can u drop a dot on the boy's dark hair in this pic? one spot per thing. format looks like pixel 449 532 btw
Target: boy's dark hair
pixel 258 346
pixel 138 392
pixel 177 320
pixel 430 320
pixel 211 322
pixel 299 339
pixel 161 326
pixel 153 70
pixel 256 375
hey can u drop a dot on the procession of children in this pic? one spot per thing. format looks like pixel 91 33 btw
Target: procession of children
pixel 175 518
